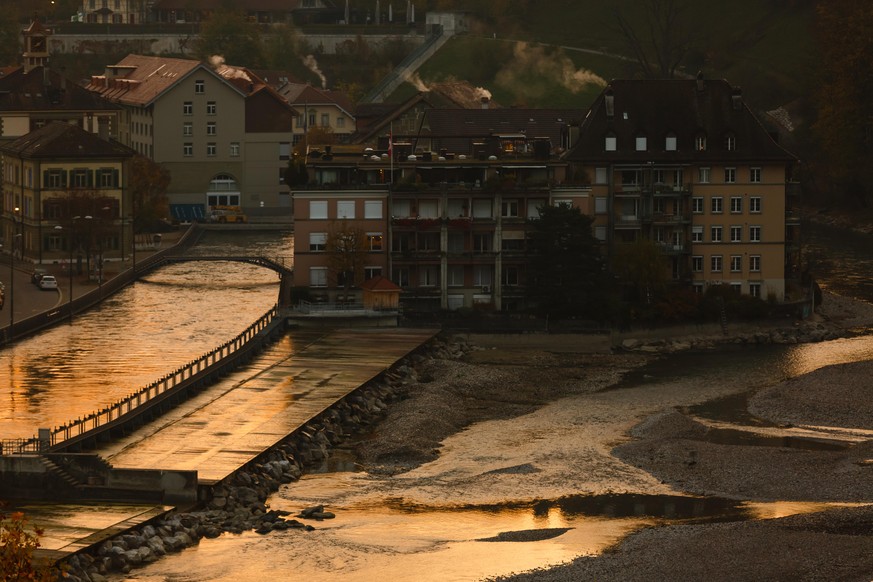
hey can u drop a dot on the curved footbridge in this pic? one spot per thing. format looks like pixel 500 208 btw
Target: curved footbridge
pixel 197 435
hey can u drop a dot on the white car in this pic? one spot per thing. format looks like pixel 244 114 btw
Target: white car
pixel 47 282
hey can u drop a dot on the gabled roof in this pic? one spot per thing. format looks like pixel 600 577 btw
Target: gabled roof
pixel 59 140
pixel 379 283
pixel 305 94
pixel 36 27
pixel 43 89
pixel 140 79
pixel 685 108
pixel 373 119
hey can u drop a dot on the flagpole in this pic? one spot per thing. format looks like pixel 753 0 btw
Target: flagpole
pixel 391 151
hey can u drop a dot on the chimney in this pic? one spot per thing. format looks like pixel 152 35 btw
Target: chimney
pixel 609 100
pixel 484 101
pixel 737 99
pixel 700 83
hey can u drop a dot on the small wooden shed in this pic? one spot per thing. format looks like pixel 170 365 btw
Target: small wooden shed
pixel 380 293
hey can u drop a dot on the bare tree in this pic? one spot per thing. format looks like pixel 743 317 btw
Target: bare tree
pixel 661 41
pixel 347 247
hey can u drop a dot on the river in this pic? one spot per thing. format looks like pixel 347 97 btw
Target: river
pixel 442 520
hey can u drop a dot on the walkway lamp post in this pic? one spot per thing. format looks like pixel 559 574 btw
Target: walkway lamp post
pixel 16 240
pixel 69 267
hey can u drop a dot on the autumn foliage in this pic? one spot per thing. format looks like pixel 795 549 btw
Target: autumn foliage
pixel 18 542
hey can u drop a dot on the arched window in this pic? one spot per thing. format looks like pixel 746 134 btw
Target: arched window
pixel 223 191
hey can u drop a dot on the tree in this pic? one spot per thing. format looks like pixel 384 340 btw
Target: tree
pixel 844 125
pixel 228 34
pixel 316 136
pixel 148 186
pixel 566 275
pixel 17 544
pixel 640 267
pixel 347 249
pixel 295 173
pixel 10 37
pixel 659 43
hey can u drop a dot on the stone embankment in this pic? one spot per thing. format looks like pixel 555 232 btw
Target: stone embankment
pixel 803 333
pixel 240 502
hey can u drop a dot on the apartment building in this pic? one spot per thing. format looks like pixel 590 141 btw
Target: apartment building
pixel 687 165
pixel 224 135
pixel 322 108
pixel 64 185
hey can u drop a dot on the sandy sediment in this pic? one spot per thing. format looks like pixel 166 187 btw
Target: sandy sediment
pixel 505 377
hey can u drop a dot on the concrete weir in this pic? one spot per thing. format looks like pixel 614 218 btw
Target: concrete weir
pixel 236 442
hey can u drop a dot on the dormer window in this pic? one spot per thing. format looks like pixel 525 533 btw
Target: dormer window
pixel 670 142
pixel 730 142
pixel 700 142
pixel 640 143
pixel 610 142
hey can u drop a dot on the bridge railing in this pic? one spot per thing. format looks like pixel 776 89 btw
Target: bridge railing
pixel 129 404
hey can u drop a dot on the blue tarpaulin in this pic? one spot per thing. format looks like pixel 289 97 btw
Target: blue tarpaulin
pixel 188 212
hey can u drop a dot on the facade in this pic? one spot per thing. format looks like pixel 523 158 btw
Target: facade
pixel 448 229
pixel 686 164
pixel 65 190
pixel 330 110
pixel 115 11
pixel 223 135
pixel 682 163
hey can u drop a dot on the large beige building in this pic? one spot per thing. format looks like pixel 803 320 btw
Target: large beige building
pixel 223 134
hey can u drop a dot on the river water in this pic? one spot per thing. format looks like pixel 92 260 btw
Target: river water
pixel 171 317
pixel 443 521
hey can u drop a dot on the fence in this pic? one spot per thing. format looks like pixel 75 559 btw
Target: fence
pixel 130 405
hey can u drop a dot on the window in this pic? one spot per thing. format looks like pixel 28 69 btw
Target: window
pixel 455 242
pixel 730 142
pixel 282 175
pixel 600 233
pixel 509 208
pixel 610 143
pixel 188 150
pixel 400 242
pixel 659 206
pixel 697 264
pixel 640 143
pixel 658 176
pixel 697 205
pixel 755 204
pixel 716 204
pixel 482 242
pixel 697 234
pixel 400 209
pixel 318 209
pixel 737 288
pixel 401 276
pixel 311 118
pixel 715 263
pixel 755 175
pixel 736 234
pixel 736 204
pixel 429 276
pixel 715 234
pixel 54 179
pixel 700 143
pixel 600 205
pixel 187 129
pixel 755 289
pixel 187 108
pixel 234 149
pixel 754 234
pixel 318 276
pixel 703 175
pixel 670 142
pixel 340 122
pixel 730 175
pixel 108 178
pixel 199 87
pixel 482 208
pixel 600 176
pixel 511 244
pixel 211 108
pixel 374 241
pixel 284 150
pixel 755 263
pixel 372 272
pixel 736 263
pixel 482 275
pixel 317 241
pixel 345 209
pixel 80 178
pixel 325 119
pixel 373 209
pixel 455 276
pixel 211 149
pixel 211 128
pixel 429 241
pixel 509 276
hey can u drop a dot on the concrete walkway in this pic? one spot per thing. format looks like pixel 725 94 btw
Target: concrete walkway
pixel 218 431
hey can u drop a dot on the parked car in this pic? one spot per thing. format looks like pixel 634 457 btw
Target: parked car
pixel 47 282
pixel 37 275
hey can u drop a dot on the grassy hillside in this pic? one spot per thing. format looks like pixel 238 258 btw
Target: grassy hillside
pixel 763 46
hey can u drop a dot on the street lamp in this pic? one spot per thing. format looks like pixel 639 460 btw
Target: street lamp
pixel 69 267
pixel 15 236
